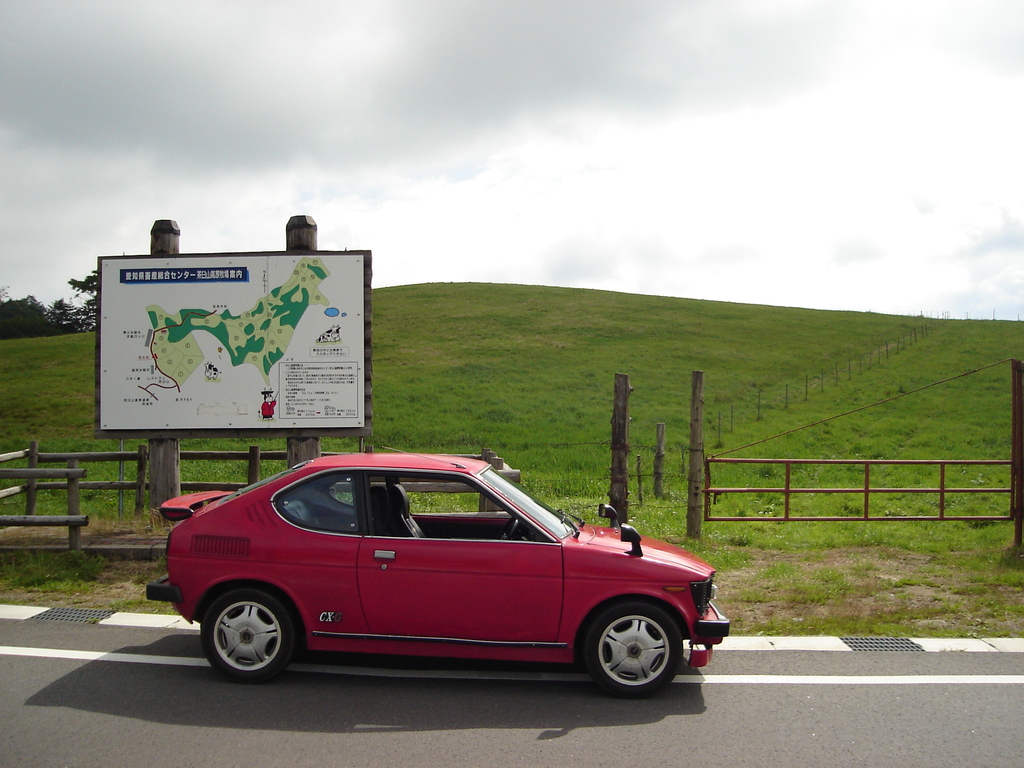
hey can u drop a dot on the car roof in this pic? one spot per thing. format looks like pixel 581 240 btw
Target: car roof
pixel 416 461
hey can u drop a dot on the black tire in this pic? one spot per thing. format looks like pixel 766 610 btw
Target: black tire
pixel 248 635
pixel 632 649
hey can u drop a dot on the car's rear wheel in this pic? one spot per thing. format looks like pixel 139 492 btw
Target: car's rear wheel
pixel 248 635
pixel 633 649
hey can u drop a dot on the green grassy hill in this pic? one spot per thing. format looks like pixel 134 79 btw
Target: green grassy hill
pixel 528 371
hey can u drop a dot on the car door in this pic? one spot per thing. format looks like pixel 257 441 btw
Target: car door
pixel 316 554
pixel 487 590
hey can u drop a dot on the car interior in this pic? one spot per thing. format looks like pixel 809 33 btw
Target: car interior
pixel 439 508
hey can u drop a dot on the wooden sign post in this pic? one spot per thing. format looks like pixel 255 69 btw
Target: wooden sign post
pixel 300 237
pixel 164 452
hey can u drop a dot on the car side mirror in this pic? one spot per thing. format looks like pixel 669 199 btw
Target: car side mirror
pixel 608 511
pixel 629 535
pixel 175 514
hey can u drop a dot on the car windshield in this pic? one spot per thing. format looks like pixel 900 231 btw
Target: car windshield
pixel 553 521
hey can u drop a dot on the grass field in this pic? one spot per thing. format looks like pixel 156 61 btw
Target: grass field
pixel 528 372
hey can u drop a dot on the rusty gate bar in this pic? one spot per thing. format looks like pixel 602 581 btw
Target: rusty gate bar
pixel 867 491
pixel 942 493
pixel 789 478
pixel 1015 491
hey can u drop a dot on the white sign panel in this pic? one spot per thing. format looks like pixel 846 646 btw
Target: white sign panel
pixel 232 341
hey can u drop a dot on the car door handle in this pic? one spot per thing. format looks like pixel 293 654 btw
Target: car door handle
pixel 383 554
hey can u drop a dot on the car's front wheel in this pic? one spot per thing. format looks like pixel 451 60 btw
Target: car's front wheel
pixel 633 649
pixel 248 635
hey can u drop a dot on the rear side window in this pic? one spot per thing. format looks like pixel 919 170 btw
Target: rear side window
pixel 322 503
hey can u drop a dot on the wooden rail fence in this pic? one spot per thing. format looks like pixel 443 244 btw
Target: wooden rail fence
pixel 71 479
pixel 38 479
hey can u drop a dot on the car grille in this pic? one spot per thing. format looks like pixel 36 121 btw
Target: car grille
pixel 702 592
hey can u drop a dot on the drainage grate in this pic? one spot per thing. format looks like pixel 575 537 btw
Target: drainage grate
pixel 881 644
pixel 74 614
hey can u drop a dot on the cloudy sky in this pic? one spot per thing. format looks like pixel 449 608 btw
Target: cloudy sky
pixel 837 154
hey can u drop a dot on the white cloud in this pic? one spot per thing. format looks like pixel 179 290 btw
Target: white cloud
pixel 848 155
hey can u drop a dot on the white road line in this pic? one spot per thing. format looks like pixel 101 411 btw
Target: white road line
pixel 859 679
pixel 151 620
pixel 130 658
pixel 698 679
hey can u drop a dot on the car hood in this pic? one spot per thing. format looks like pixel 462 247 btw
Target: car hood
pixel 654 550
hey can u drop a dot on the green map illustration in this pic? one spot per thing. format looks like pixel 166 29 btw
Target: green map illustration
pixel 259 337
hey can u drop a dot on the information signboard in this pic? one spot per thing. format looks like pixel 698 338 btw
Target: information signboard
pixel 215 344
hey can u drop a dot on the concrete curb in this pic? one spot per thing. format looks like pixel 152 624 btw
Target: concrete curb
pixel 752 643
pixel 136 551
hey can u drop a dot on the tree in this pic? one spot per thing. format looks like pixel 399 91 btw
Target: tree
pixel 85 316
pixel 24 318
pixel 70 318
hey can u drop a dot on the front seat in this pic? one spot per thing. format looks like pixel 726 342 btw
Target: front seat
pixel 399 503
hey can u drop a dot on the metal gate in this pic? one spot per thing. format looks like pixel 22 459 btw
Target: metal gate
pixel 1014 488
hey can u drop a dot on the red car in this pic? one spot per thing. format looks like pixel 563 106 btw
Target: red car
pixel 431 556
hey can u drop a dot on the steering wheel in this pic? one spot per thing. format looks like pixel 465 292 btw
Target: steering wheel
pixel 512 529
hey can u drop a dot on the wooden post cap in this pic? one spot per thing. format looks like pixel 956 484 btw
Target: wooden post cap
pixel 164 237
pixel 165 226
pixel 300 233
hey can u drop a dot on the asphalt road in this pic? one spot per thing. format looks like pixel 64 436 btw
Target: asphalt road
pixel 152 702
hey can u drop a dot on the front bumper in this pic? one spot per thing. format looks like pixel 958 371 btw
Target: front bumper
pixel 163 590
pixel 712 627
pixel 697 656
pixel 708 632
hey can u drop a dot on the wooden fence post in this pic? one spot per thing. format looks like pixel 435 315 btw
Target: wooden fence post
pixel 165 462
pixel 695 475
pixel 639 480
pixel 30 484
pixel 486 454
pixel 140 480
pixel 659 461
pixel 254 464
pixel 300 235
pixel 618 494
pixel 74 508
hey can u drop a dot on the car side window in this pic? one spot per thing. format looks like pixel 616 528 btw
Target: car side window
pixel 322 503
pixel 440 507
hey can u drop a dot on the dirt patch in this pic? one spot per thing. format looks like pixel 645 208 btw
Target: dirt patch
pixel 872 592
pixel 121 582
pixel 121 586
